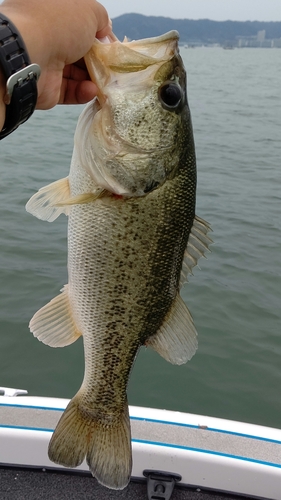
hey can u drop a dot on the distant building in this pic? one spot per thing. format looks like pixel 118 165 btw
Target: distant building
pixel 276 43
pixel 259 40
pixel 261 36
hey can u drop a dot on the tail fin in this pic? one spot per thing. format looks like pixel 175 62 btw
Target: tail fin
pixel 107 447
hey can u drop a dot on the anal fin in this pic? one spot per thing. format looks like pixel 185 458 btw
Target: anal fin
pixel 54 324
pixel 176 340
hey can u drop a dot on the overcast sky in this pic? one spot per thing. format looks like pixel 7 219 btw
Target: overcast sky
pixel 219 10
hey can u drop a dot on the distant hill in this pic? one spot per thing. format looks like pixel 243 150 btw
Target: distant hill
pixel 136 26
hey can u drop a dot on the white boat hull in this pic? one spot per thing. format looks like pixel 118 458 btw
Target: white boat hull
pixel 207 452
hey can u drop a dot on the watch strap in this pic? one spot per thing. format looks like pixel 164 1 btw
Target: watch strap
pixel 21 77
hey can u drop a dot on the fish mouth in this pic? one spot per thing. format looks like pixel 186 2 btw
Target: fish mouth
pixel 113 64
pixel 105 61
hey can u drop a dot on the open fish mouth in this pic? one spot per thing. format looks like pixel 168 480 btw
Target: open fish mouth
pixel 106 61
pixel 126 65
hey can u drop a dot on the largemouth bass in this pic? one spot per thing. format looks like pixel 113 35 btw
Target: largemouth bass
pixel 133 237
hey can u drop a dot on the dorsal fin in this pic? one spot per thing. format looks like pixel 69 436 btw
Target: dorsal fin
pixel 198 244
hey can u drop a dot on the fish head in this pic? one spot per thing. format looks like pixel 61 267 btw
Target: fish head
pixel 133 137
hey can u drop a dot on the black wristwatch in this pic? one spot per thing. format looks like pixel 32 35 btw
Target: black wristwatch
pixel 21 77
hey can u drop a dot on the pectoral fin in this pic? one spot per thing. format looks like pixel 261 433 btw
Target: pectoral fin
pixel 54 324
pixel 82 199
pixel 49 202
pixel 55 199
pixel 176 340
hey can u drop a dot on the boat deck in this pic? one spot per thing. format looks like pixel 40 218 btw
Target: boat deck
pixel 216 459
pixel 28 484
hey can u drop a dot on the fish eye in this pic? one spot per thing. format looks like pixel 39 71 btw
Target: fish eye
pixel 170 95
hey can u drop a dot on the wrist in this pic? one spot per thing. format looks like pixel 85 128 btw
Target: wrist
pixel 18 78
pixel 35 22
pixel 23 23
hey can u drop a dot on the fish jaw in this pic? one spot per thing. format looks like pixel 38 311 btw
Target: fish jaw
pixel 106 61
pixel 131 141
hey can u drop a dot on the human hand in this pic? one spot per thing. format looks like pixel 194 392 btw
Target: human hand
pixel 57 34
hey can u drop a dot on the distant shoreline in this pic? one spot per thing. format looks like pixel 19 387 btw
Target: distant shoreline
pixel 228 34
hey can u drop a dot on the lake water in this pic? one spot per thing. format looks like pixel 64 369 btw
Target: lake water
pixel 235 299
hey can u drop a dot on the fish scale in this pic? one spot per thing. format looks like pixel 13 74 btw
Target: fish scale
pixel 133 238
pixel 144 294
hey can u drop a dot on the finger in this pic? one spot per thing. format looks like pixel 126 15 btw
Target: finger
pixel 77 71
pixel 104 27
pixel 77 92
pixel 81 64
